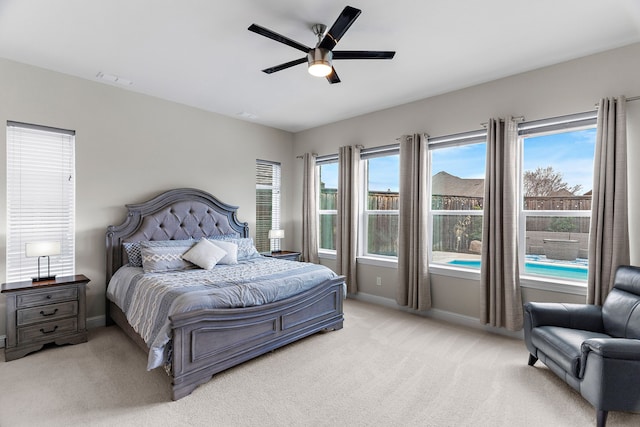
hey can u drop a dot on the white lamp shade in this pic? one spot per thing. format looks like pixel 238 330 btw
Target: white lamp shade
pixel 276 234
pixel 38 249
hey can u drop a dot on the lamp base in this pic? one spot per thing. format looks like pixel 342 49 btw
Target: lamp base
pixel 43 279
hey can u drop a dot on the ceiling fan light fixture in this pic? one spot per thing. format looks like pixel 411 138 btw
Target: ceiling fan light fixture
pixel 320 62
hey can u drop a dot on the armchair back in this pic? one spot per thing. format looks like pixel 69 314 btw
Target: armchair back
pixel 621 309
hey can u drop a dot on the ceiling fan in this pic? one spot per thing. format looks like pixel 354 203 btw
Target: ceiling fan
pixel 320 58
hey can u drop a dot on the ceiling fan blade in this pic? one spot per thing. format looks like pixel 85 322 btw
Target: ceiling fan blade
pixel 277 37
pixel 342 24
pixel 285 65
pixel 363 54
pixel 333 77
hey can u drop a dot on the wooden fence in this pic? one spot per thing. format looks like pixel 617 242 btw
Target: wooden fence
pixel 451 232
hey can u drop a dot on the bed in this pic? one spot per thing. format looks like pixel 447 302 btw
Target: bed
pixel 203 342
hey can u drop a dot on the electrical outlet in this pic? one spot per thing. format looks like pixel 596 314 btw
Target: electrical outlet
pixel 378 281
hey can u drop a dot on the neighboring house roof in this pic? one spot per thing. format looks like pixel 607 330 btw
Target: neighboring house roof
pixel 450 185
pixel 562 193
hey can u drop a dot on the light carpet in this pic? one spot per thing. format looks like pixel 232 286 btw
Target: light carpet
pixel 385 368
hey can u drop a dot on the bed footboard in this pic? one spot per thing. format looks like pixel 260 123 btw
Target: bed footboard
pixel 206 342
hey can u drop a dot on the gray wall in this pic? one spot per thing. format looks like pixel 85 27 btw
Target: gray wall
pixel 566 88
pixel 130 147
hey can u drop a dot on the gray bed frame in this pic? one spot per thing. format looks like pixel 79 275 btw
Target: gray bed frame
pixel 206 342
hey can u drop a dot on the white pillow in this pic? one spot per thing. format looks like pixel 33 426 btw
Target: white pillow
pixel 231 250
pixel 204 254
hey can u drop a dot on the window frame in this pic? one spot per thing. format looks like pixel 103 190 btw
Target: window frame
pixel 364 212
pixel 320 161
pixel 551 126
pixel 276 208
pixel 37 212
pixel 454 140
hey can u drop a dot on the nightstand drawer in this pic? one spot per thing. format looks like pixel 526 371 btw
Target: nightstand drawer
pixel 46 297
pixel 27 316
pixel 47 331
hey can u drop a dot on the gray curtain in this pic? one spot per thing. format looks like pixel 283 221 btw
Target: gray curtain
pixel 347 224
pixel 414 287
pixel 609 233
pixel 500 295
pixel 309 210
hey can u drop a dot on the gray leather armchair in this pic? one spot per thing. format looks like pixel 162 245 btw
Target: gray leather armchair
pixel 594 349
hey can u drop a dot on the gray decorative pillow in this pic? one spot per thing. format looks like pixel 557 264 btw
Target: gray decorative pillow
pixel 133 253
pixel 165 255
pixel 246 248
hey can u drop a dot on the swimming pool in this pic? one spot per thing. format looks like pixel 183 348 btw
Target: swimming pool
pixel 562 271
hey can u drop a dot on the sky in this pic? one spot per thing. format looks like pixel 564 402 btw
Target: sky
pixel 570 153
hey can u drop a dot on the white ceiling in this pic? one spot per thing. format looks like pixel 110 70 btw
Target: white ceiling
pixel 199 52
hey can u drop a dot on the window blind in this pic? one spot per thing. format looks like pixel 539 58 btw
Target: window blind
pixel 40 198
pixel 267 204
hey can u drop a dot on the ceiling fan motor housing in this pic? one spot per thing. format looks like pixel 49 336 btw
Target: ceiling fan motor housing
pixel 319 60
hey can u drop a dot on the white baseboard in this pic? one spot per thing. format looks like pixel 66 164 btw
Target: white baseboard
pixel 434 313
pixel 95 322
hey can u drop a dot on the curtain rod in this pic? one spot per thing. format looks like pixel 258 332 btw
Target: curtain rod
pixel 424 135
pixel 631 98
pixel 360 146
pixel 516 118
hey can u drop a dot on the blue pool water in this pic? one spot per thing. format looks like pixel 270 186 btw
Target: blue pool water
pixel 544 269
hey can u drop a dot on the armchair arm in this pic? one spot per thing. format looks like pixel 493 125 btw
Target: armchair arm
pixel 613 348
pixel 575 316
pixel 609 348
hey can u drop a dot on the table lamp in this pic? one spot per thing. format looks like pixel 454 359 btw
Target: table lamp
pixel 276 235
pixel 43 250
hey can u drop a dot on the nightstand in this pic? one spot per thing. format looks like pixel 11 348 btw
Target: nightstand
pixel 39 313
pixel 291 256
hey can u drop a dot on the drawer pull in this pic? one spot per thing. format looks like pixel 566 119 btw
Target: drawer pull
pixel 49 314
pixel 49 332
pixel 48 296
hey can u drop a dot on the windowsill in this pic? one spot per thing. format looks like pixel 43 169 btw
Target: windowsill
pixel 458 272
pixel 554 285
pixel 326 255
pixel 378 262
pixel 526 281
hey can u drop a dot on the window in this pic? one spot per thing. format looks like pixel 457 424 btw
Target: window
pixel 457 194
pixel 379 225
pixel 40 197
pixel 267 204
pixel 328 203
pixel 557 176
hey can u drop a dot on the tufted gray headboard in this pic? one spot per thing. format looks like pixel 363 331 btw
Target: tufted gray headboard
pixel 180 214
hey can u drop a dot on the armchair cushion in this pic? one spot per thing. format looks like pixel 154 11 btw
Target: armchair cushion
pixel 563 345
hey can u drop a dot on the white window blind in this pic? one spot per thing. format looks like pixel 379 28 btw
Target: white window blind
pixel 267 204
pixel 40 198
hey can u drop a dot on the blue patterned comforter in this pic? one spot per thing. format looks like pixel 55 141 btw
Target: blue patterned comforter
pixel 149 299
